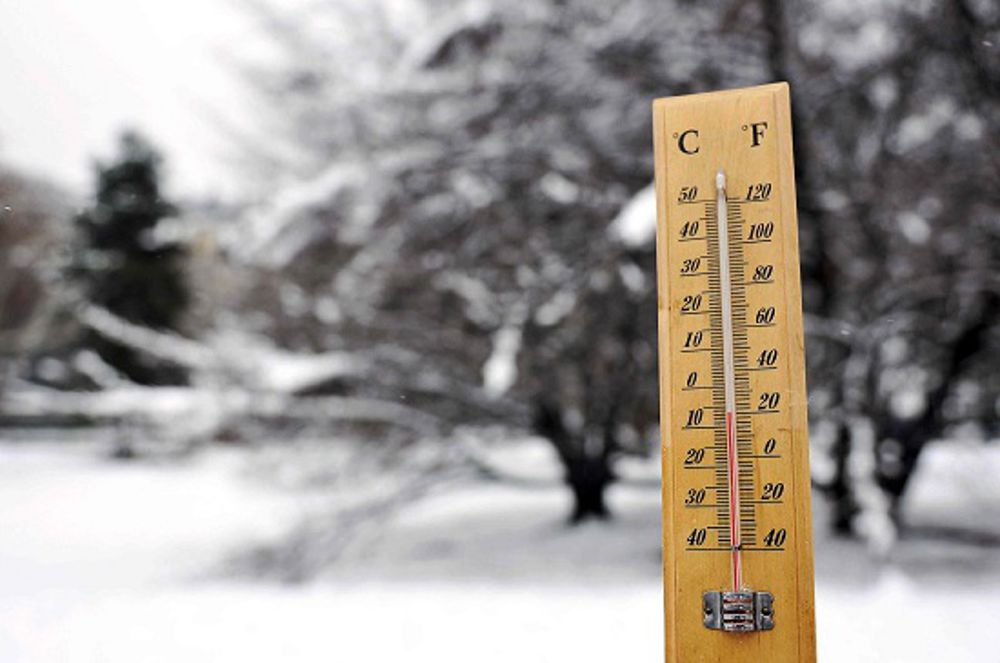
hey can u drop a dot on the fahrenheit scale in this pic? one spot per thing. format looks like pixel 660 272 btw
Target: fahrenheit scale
pixel 737 537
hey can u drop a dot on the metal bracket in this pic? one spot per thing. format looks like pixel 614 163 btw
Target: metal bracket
pixel 738 612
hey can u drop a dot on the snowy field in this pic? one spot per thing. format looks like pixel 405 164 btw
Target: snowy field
pixel 126 562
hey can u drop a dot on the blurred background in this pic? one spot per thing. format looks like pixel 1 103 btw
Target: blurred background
pixel 327 327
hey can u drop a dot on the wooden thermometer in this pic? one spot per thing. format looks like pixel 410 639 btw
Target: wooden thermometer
pixel 737 536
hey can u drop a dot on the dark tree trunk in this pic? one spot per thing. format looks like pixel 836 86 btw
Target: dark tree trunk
pixel 841 497
pixel 588 470
pixel 588 478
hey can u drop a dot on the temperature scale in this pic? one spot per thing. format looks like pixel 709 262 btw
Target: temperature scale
pixel 737 534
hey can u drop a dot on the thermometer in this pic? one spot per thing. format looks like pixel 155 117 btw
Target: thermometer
pixel 737 534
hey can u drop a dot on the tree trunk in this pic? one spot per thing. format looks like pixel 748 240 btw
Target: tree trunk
pixel 588 470
pixel 839 492
pixel 588 478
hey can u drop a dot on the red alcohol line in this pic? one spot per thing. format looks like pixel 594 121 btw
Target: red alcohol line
pixel 734 502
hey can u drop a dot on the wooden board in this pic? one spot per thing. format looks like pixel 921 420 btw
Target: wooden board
pixel 746 134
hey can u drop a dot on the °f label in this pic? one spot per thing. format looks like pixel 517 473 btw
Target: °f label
pixel 736 501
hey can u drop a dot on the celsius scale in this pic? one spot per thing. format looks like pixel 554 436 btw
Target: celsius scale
pixel 737 532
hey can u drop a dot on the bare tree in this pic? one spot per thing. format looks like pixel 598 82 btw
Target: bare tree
pixel 896 109
pixel 472 173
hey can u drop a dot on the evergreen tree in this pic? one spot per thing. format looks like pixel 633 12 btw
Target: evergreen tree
pixel 124 267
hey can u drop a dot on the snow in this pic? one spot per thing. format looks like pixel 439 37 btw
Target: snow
pixel 263 366
pixel 164 403
pixel 873 521
pixel 852 33
pixel 480 302
pixel 275 232
pixel 559 189
pixel 426 44
pixel 252 361
pixel 112 562
pixel 957 478
pixel 907 402
pixel 555 309
pixel 82 523
pixel 920 128
pixel 914 227
pixel 500 369
pixel 635 225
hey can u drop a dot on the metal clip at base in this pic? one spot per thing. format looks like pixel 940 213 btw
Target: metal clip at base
pixel 738 612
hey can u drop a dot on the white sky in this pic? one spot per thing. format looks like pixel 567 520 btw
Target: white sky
pixel 74 72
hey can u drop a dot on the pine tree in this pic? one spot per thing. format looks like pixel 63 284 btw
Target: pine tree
pixel 124 267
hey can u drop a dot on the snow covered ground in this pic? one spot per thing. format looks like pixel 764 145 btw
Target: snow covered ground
pixel 123 562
